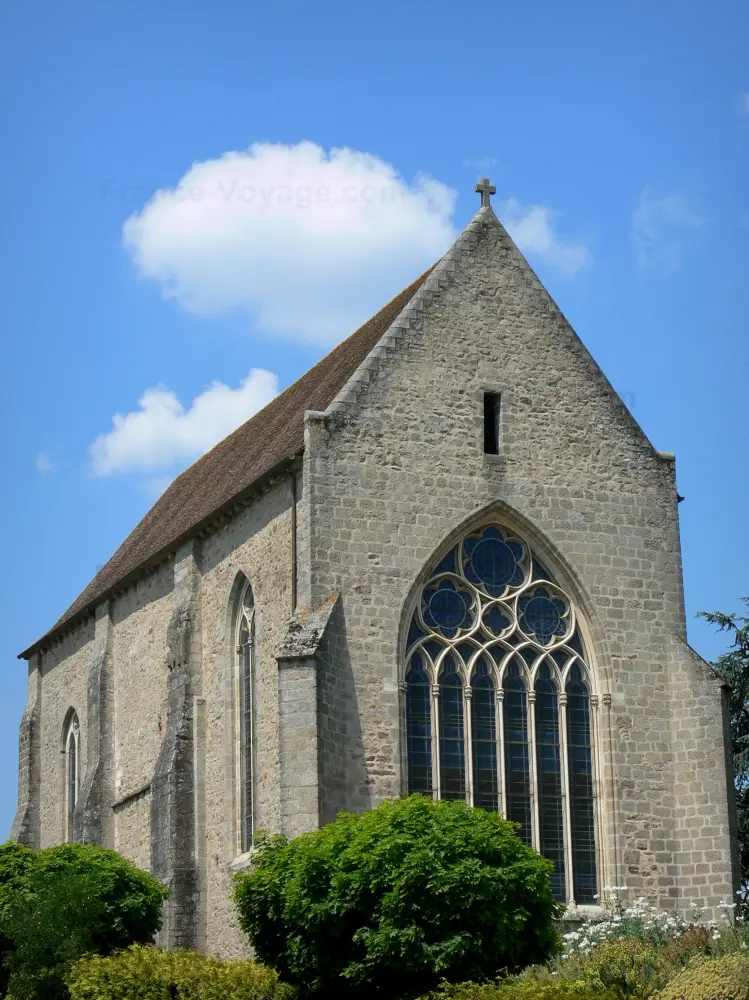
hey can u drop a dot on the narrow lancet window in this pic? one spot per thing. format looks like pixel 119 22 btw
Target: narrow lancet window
pixel 419 723
pixel 484 738
pixel 549 777
pixel 452 739
pixel 72 772
pixel 581 788
pixel 491 423
pixel 517 759
pixel 246 717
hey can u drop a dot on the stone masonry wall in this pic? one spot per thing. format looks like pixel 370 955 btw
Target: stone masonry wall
pixel 139 621
pixel 256 545
pixel 64 686
pixel 397 467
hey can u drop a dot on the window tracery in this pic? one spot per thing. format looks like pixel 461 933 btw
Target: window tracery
pixel 498 700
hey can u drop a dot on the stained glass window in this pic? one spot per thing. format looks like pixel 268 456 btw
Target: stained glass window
pixel 452 729
pixel 419 714
pixel 245 711
pixel 517 759
pixel 492 644
pixel 581 788
pixel 549 777
pixel 484 738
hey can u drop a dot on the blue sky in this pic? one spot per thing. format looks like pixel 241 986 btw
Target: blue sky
pixel 617 136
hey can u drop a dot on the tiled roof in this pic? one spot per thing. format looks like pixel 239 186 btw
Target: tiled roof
pixel 233 468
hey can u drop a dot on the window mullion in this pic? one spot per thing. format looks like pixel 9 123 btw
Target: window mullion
pixel 532 771
pixel 436 782
pixel 569 881
pixel 468 741
pixel 499 724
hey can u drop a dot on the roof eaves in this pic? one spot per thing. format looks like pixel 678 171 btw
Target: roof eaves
pixel 207 524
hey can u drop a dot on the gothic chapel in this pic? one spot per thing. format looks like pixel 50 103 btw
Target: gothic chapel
pixel 446 560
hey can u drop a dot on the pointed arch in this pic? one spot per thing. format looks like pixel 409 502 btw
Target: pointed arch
pixel 498 694
pixel 244 712
pixel 71 776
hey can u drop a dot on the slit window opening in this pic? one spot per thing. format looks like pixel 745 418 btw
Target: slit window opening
pixel 491 423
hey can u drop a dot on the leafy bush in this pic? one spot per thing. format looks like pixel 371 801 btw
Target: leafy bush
pixel 15 861
pixel 630 967
pixel 525 989
pixel 149 974
pixel 58 903
pixel 725 978
pixel 395 899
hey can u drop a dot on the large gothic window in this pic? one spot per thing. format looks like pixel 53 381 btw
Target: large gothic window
pixel 498 700
pixel 245 716
pixel 72 778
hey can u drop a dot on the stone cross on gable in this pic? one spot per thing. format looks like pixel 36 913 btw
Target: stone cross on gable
pixel 486 190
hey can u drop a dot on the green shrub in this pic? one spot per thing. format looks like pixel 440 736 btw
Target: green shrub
pixel 15 861
pixel 59 903
pixel 525 989
pixel 149 974
pixel 629 967
pixel 725 978
pixel 394 900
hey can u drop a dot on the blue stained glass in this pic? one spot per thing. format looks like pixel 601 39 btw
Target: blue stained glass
pixel 484 739
pixel 419 734
pixel 415 633
pixel 529 654
pixel 466 650
pixel 496 622
pixel 452 739
pixel 433 648
pixel 574 643
pixel 540 572
pixel 494 561
pixel 549 773
pixel 447 564
pixel 581 788
pixel 491 561
pixel 446 608
pixel 541 615
pixel 516 752
pixel 560 657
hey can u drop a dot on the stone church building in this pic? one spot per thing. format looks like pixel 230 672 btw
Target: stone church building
pixel 445 560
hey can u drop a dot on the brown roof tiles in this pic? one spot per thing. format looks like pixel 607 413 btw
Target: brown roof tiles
pixel 233 467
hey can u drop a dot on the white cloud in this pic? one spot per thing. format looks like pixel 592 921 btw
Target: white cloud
pixel 309 242
pixel 43 462
pixel 533 229
pixel 662 229
pixel 162 432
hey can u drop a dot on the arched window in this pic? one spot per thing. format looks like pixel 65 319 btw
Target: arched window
pixel 498 700
pixel 72 770
pixel 244 687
